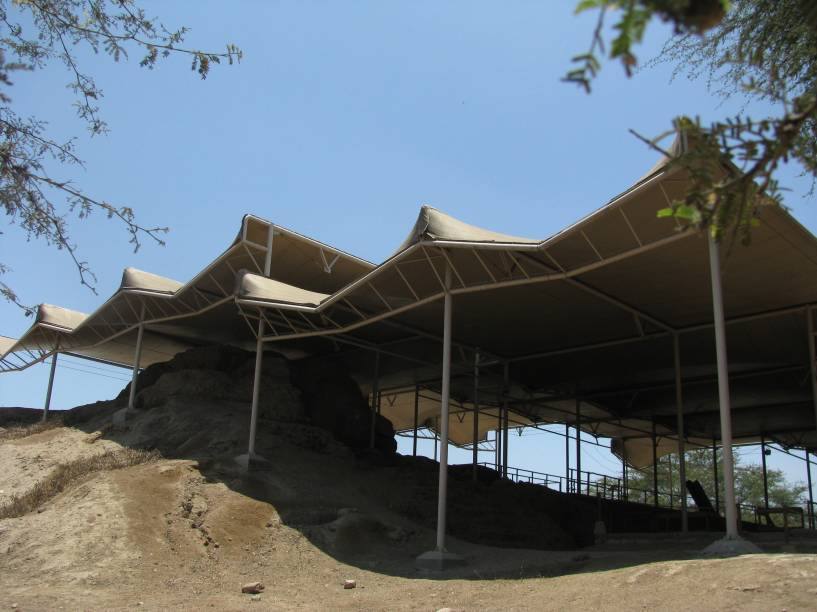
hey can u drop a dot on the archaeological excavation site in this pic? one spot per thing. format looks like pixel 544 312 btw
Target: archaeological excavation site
pixel 257 439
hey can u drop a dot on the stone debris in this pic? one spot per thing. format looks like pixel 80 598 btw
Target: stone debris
pixel 747 588
pixel 253 588
pixel 255 597
pixel 349 584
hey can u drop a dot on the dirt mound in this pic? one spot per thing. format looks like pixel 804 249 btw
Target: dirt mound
pixel 180 534
pixel 492 511
pixel 333 400
pixel 12 416
pixel 315 392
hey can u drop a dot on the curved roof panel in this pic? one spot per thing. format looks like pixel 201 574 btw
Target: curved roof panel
pixel 588 313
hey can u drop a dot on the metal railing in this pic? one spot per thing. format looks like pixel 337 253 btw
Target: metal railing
pixel 612 487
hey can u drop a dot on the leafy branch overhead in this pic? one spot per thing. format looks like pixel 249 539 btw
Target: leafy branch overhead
pixel 33 34
pixel 763 49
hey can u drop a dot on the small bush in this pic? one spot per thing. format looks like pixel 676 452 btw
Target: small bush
pixel 13 432
pixel 66 474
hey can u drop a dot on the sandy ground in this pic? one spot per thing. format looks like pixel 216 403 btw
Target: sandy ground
pixel 176 534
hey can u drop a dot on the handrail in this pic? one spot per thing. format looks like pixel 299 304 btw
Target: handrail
pixel 611 487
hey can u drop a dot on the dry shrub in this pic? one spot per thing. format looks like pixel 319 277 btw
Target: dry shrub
pixel 66 474
pixel 13 432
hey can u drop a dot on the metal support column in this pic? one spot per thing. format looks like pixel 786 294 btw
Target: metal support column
pixel 812 366
pixel 416 418
pixel 567 458
pixel 136 359
pixel 765 475
pixel 375 394
pixel 811 516
pixel 50 383
pixel 475 457
pixel 625 479
pixel 259 357
pixel 578 446
pixel 812 360
pixel 715 475
pixel 498 435
pixel 445 391
pixel 256 388
pixel 679 407
pixel 497 449
pixel 654 465
pixel 505 390
pixel 723 390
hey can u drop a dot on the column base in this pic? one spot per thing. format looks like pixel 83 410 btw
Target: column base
pixel 252 461
pixel 439 560
pixel 731 547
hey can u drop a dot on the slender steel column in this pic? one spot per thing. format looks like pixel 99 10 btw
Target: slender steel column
pixel 578 446
pixel 654 465
pixel 625 479
pixel 567 458
pixel 416 417
pixel 765 476
pixel 446 390
pixel 723 390
pixel 256 387
pixel 812 360
pixel 50 384
pixel 506 390
pixel 136 359
pixel 810 495
pixel 375 393
pixel 813 373
pixel 679 406
pixel 498 435
pixel 497 445
pixel 715 474
pixel 475 457
pixel 259 356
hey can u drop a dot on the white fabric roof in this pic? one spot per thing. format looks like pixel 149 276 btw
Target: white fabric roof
pixel 593 307
pixel 255 287
pixel 433 224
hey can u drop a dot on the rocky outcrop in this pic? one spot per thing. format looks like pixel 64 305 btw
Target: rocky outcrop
pixel 333 400
pixel 316 391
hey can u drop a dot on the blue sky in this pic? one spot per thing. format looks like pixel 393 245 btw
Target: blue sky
pixel 341 121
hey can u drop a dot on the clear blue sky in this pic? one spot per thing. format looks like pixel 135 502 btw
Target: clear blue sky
pixel 343 118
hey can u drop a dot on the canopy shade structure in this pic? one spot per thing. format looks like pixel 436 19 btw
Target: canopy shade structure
pixel 584 320
pixel 397 405
pixel 180 316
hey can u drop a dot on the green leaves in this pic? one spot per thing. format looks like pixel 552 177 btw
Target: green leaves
pixel 38 32
pixel 589 67
pixel 730 166
pixel 680 210
pixel 586 5
pixel 767 49
pixel 695 16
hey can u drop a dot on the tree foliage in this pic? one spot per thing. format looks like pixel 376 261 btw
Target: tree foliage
pixel 700 466
pixel 763 49
pixel 33 34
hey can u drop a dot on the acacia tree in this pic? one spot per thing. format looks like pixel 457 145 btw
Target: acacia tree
pixel 34 33
pixel 764 49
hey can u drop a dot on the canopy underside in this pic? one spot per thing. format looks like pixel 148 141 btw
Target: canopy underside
pixel 584 319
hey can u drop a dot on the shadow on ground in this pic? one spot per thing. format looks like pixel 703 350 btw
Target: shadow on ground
pixel 372 509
